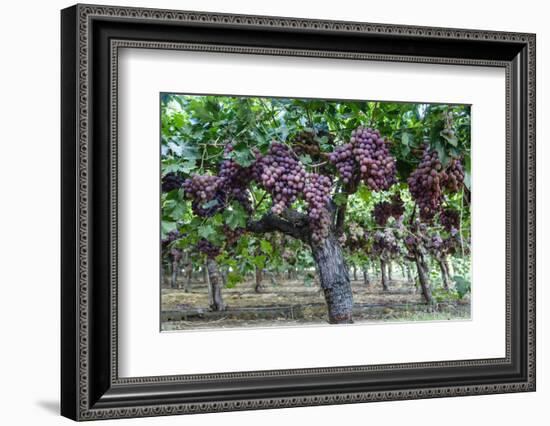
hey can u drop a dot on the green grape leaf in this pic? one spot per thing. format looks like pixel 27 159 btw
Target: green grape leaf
pixel 259 261
pixel 450 139
pixel 462 285
pixel 167 226
pixel 243 158
pixel 235 217
pixel 340 199
pixel 266 246
pixel 233 278
pixel 305 159
pixel 206 231
pixel 364 194
pixel 467 180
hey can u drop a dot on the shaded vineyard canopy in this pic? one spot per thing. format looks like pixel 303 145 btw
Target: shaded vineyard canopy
pixel 216 204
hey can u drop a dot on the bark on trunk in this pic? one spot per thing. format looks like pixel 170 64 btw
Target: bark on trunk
pixel 186 266
pixel 259 278
pixel 174 274
pixel 292 273
pixel 354 273
pixel 215 298
pixel 450 269
pixel 390 272
pixel 273 278
pixel 424 279
pixel 383 276
pixel 403 271
pixel 366 278
pixel 334 280
pixel 409 274
pixel 443 266
pixel 189 278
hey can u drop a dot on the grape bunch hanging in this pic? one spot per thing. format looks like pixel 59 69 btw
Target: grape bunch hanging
pixel 385 243
pixel 171 181
pixel 366 156
pixel 281 175
pixel 232 235
pixel 205 194
pixel 210 194
pixel 384 210
pixel 175 253
pixel 234 179
pixel 357 238
pixel 317 195
pixel 376 164
pixel 343 160
pixel 429 179
pixel 208 249
pixel 450 220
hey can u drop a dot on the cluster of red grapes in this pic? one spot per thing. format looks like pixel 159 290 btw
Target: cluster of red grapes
pixel 455 175
pixel 203 190
pixel 450 220
pixel 171 237
pixel 210 194
pixel 281 175
pixel 425 185
pixel 208 249
pixel 385 243
pixel 305 144
pixel 232 235
pixel 384 210
pixel 234 179
pixel 356 238
pixel 317 195
pixel 342 158
pixel 368 153
pixel 411 242
pixel 175 253
pixel 439 246
pixel 289 256
pixel 171 181
pixel 427 181
pixel 376 164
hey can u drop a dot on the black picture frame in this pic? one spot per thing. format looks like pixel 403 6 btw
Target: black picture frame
pixel 90 386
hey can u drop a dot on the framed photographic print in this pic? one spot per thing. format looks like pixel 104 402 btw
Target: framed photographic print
pixel 263 212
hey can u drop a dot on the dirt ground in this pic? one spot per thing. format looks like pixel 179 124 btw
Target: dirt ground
pixel 290 302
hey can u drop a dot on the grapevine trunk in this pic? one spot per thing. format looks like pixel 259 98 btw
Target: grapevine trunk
pixel 383 275
pixel 423 277
pixel 366 278
pixel 409 274
pixel 259 280
pixel 189 277
pixel 334 279
pixel 444 267
pixel 214 286
pixel 174 274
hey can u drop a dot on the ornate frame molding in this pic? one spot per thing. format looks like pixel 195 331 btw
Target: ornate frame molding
pixel 82 16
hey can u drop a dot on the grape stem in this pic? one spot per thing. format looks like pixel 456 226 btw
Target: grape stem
pixel 260 201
